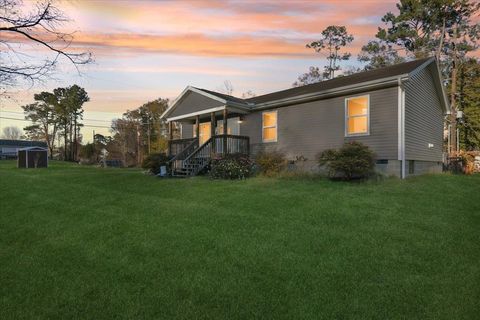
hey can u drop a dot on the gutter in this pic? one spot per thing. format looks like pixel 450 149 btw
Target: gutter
pixel 401 127
pixel 241 106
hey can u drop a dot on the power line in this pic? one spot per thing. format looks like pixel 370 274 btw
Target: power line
pixel 84 119
pixel 12 112
pixel 84 125
pixel 15 119
pixel 16 112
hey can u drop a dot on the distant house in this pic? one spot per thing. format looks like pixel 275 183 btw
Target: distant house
pixel 9 148
pixel 398 111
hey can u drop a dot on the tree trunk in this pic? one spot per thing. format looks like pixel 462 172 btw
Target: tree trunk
pixel 52 143
pixel 65 142
pixel 71 139
pixel 440 45
pixel 75 137
pixel 47 137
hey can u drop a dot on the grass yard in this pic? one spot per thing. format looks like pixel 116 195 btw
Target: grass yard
pixel 90 243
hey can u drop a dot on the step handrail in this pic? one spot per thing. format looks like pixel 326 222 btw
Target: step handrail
pixel 178 144
pixel 200 148
pixel 193 145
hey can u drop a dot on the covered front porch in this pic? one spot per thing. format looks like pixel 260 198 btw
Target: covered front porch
pixel 211 127
pixel 206 133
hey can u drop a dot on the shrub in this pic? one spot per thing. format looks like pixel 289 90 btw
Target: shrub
pixel 353 160
pixel 154 161
pixel 271 163
pixel 463 163
pixel 233 166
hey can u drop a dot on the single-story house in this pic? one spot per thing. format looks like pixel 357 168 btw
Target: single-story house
pixel 9 148
pixel 398 111
pixel 32 157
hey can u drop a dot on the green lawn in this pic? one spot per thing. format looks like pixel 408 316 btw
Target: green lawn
pixel 89 243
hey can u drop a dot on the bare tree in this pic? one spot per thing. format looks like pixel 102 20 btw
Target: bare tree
pixel 12 133
pixel 313 75
pixel 226 88
pixel 248 94
pixel 39 28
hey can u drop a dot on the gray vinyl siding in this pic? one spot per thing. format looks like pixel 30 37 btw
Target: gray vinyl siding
pixel 423 118
pixel 309 128
pixel 194 102
pixel 187 130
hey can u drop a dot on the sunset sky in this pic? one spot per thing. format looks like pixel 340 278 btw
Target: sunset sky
pixel 149 49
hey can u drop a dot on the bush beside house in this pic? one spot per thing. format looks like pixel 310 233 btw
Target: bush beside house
pixel 231 167
pixel 353 160
pixel 154 161
pixel 271 163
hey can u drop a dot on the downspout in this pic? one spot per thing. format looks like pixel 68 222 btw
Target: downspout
pixel 401 127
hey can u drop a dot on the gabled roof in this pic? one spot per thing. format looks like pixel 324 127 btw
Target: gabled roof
pixel 223 98
pixel 317 90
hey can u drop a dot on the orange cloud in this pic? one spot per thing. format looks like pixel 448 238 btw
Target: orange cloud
pixel 221 28
pixel 190 44
pixel 218 28
pixel 237 16
pixel 194 44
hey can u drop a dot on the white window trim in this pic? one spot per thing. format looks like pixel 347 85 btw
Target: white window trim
pixel 363 115
pixel 275 126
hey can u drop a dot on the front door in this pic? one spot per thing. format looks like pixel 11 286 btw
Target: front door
pixel 205 132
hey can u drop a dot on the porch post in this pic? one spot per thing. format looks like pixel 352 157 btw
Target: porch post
pixel 225 124
pixel 170 137
pixel 212 132
pixel 170 130
pixel 197 127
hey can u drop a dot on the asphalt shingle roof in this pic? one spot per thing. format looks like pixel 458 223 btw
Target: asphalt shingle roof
pixel 357 78
pixel 223 96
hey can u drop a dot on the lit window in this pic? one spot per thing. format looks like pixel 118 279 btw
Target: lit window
pixel 269 126
pixel 356 115
pixel 233 126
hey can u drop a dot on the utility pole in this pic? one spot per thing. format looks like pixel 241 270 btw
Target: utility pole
pixel 148 123
pixel 453 93
pixel 94 146
pixel 138 145
pixel 74 151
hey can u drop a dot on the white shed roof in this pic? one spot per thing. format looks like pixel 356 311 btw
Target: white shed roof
pixel 33 149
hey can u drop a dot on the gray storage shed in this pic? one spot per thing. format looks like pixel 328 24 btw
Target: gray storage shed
pixel 32 157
